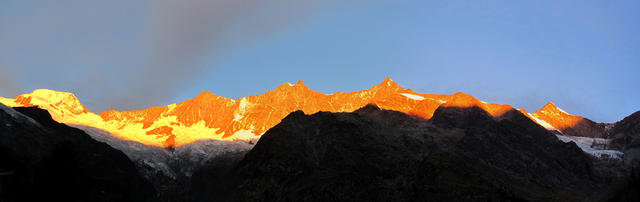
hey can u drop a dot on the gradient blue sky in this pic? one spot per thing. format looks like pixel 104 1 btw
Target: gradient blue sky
pixel 124 54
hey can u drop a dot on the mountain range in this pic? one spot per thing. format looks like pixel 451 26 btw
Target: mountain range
pixel 294 144
pixel 208 116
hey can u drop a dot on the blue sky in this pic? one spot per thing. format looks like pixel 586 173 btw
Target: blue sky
pixel 582 55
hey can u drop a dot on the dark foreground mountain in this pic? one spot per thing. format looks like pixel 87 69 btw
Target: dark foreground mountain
pixel 171 170
pixel 461 154
pixel 42 160
pixel 626 133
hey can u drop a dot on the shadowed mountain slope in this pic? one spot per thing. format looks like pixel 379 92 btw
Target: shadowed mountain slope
pixel 626 133
pixel 380 155
pixel 42 160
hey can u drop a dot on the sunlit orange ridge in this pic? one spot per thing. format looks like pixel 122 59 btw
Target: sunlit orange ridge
pixel 208 116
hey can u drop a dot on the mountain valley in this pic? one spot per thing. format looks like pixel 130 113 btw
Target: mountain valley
pixel 295 144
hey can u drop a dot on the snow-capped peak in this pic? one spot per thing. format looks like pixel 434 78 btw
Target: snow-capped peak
pixel 550 107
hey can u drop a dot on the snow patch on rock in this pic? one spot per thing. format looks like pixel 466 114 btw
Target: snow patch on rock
pixel 412 96
pixel 562 110
pixel 543 123
pixel 243 107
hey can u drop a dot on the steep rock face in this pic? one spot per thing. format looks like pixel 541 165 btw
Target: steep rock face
pixel 209 116
pixel 568 124
pixel 626 133
pixel 43 160
pixel 380 155
pixel 625 136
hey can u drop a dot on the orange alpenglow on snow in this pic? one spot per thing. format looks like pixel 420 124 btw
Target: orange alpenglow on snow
pixel 208 116
pixel 568 124
pixel 557 117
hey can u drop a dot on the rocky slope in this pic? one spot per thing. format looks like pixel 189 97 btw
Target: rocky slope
pixel 569 124
pixel 209 116
pixel 626 133
pixel 625 136
pixel 461 154
pixel 43 160
pixel 622 135
pixel 170 170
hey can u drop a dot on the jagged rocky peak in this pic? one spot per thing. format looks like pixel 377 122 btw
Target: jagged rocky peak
pixel 205 96
pixel 550 107
pixel 387 83
pixel 569 124
pixel 555 116
pixel 300 84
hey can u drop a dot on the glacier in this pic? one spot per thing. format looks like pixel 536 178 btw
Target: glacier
pixel 586 143
pixel 180 162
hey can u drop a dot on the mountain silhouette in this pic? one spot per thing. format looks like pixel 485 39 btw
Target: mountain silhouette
pixel 42 160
